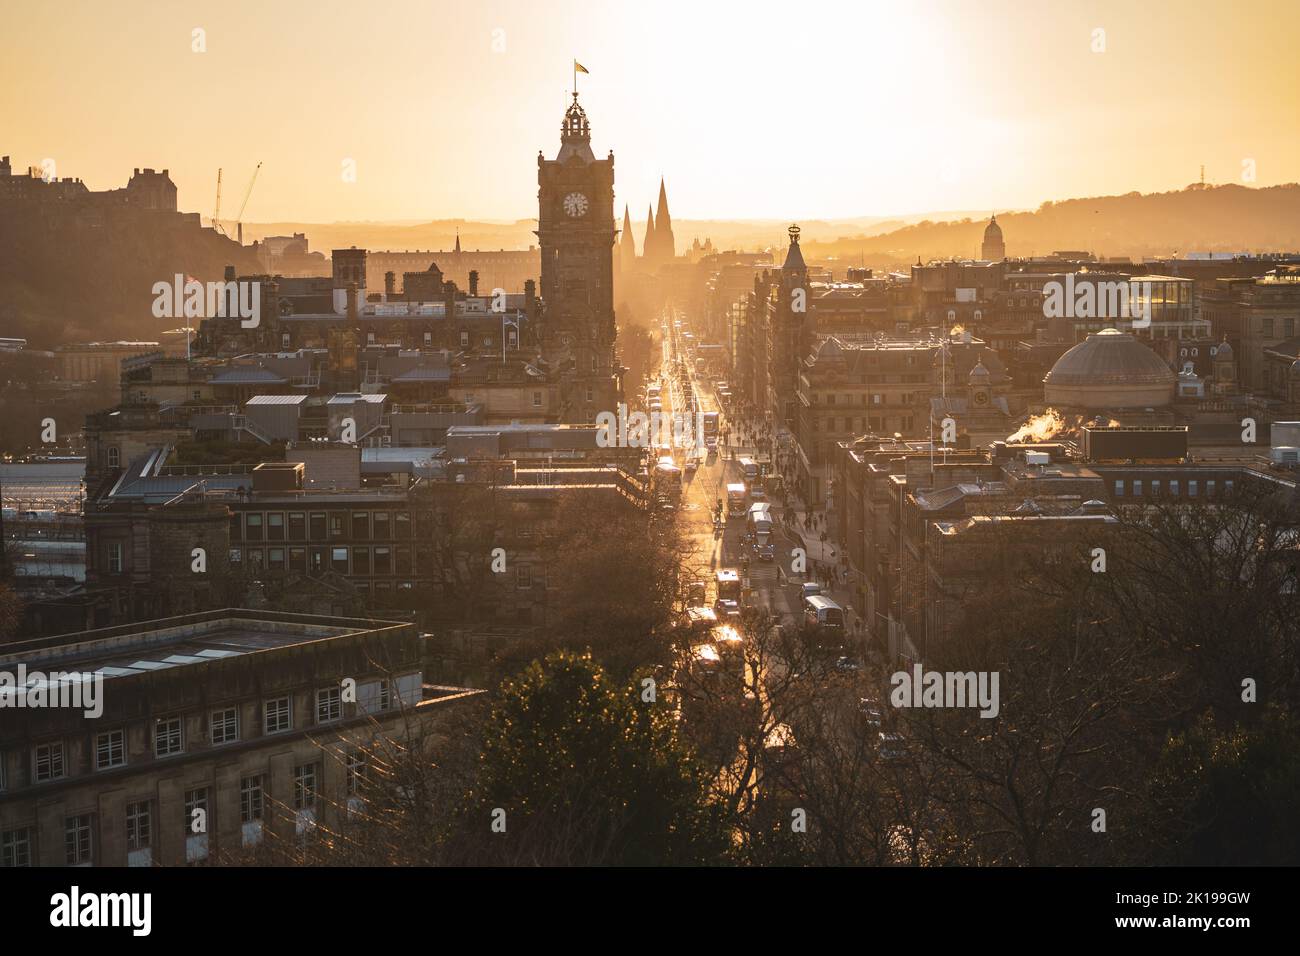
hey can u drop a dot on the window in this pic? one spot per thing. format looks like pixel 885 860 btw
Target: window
pixel 278 717
pixel 403 559
pixel 1209 487
pixel 464 340
pixel 523 576
pixel 251 805
pixel 339 560
pixel 114 456
pixel 304 787
pixel 537 399
pixel 298 560
pixel 428 338
pixel 355 769
pixel 336 525
pixel 329 705
pixel 360 560
pixel 361 524
pixel 297 526
pixel 1119 488
pixel 383 561
pixel 16 847
pixel 381 522
pixel 275 559
pixel 275 527
pixel 168 737
pixel 139 826
pixel 1155 487
pixel 115 557
pixel 590 393
pixel 77 833
pixel 49 762
pixel 1137 487
pixel 1173 487
pixel 1191 489
pixel 317 526
pixel 253 527
pixel 402 524
pixel 225 726
pixel 110 750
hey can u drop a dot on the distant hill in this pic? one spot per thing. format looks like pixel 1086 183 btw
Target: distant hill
pixel 441 233
pixel 1228 218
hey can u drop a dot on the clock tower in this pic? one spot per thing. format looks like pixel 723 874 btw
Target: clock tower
pixel 576 231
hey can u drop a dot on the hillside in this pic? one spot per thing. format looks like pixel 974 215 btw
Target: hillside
pixel 1228 218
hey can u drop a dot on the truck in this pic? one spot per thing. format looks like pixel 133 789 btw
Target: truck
pixel 759 524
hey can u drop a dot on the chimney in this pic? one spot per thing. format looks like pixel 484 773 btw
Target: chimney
pixel 473 282
pixel 530 295
pixel 230 274
pixel 353 316
pixel 390 284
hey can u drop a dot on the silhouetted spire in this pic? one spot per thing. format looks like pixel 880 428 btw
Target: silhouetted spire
pixel 457 240
pixel 626 244
pixel 647 247
pixel 666 245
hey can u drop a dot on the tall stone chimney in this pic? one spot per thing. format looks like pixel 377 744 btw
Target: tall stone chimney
pixel 390 284
pixel 473 282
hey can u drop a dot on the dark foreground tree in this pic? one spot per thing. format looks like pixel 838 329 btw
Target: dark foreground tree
pixel 577 769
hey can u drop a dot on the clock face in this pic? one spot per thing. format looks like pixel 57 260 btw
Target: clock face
pixel 981 398
pixel 575 205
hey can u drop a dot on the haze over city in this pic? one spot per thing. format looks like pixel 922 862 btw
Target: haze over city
pixel 753 110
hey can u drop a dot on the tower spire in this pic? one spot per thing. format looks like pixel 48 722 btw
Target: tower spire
pixel 648 247
pixel 666 244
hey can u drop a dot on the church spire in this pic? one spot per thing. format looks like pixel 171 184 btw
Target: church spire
pixel 626 244
pixel 648 247
pixel 667 245
pixel 457 241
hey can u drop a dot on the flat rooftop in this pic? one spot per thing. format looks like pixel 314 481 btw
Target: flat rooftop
pixel 179 641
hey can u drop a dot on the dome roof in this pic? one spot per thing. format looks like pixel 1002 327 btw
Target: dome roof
pixel 1223 350
pixel 993 230
pixel 1110 358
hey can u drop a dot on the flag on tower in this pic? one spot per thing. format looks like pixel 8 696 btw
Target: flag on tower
pixel 579 68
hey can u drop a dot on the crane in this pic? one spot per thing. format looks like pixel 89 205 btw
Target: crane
pixel 239 221
pixel 216 213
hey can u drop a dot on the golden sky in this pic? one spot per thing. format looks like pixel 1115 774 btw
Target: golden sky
pixel 795 109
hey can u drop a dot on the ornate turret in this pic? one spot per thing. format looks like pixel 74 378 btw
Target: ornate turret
pixel 575 135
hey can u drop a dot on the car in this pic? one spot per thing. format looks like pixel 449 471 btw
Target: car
pixel 765 551
pixel 847 664
pixel 891 746
pixel 727 607
pixel 869 708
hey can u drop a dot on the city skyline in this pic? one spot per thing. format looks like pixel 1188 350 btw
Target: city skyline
pixel 847 111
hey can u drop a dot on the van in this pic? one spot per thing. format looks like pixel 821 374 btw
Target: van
pixel 820 611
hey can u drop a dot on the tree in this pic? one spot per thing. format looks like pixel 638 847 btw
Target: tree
pixel 585 771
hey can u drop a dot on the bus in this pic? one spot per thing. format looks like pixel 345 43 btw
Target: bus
pixel 667 482
pixel 710 429
pixel 821 611
pixel 749 468
pixel 728 601
pixel 736 499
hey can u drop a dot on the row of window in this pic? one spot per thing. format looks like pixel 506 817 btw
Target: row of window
pixel 360 560
pixel 17 845
pixel 1174 486
pixel 50 759
pixel 319 525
